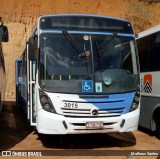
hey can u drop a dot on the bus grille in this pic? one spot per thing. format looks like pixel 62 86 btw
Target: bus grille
pixel 87 113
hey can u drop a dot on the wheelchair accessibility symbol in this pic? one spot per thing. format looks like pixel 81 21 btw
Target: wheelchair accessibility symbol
pixel 87 86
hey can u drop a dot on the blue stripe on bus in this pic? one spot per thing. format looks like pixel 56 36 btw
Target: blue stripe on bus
pixel 115 101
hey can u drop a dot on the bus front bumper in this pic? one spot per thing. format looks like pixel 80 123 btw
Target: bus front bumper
pixel 49 123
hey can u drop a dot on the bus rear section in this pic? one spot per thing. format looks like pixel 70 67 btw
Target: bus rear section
pixel 83 78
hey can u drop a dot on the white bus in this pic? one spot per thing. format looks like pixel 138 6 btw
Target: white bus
pixel 3 38
pixel 80 74
pixel 149 56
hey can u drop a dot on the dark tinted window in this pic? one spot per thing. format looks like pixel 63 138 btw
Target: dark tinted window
pixel 154 52
pixel 85 23
pixel 149 52
pixel 143 53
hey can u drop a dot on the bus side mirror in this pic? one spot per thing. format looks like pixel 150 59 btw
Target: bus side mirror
pixel 4 37
pixel 136 35
pixel 32 45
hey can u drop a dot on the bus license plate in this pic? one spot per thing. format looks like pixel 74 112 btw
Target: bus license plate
pixel 94 125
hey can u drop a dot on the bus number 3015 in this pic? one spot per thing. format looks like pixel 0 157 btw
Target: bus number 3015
pixel 70 105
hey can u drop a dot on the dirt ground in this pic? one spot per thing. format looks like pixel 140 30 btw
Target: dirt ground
pixel 16 134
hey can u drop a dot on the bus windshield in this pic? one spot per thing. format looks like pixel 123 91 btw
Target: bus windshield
pixel 107 61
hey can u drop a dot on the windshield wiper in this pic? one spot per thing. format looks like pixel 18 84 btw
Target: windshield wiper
pixel 72 42
pixel 125 58
pixel 107 44
pixel 98 55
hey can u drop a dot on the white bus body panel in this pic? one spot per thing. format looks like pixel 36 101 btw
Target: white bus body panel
pixel 50 123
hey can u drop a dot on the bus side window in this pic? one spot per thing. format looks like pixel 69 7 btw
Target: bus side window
pixel 143 54
pixel 154 52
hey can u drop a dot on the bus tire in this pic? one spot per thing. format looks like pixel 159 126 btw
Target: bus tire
pixel 158 128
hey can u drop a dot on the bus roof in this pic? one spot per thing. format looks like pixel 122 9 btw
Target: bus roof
pixel 149 31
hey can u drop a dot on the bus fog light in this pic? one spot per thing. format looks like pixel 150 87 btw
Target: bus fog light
pixel 122 123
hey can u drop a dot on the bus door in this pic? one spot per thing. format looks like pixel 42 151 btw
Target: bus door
pixel 31 69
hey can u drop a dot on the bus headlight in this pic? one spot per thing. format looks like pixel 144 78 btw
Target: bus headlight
pixel 136 101
pixel 46 102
